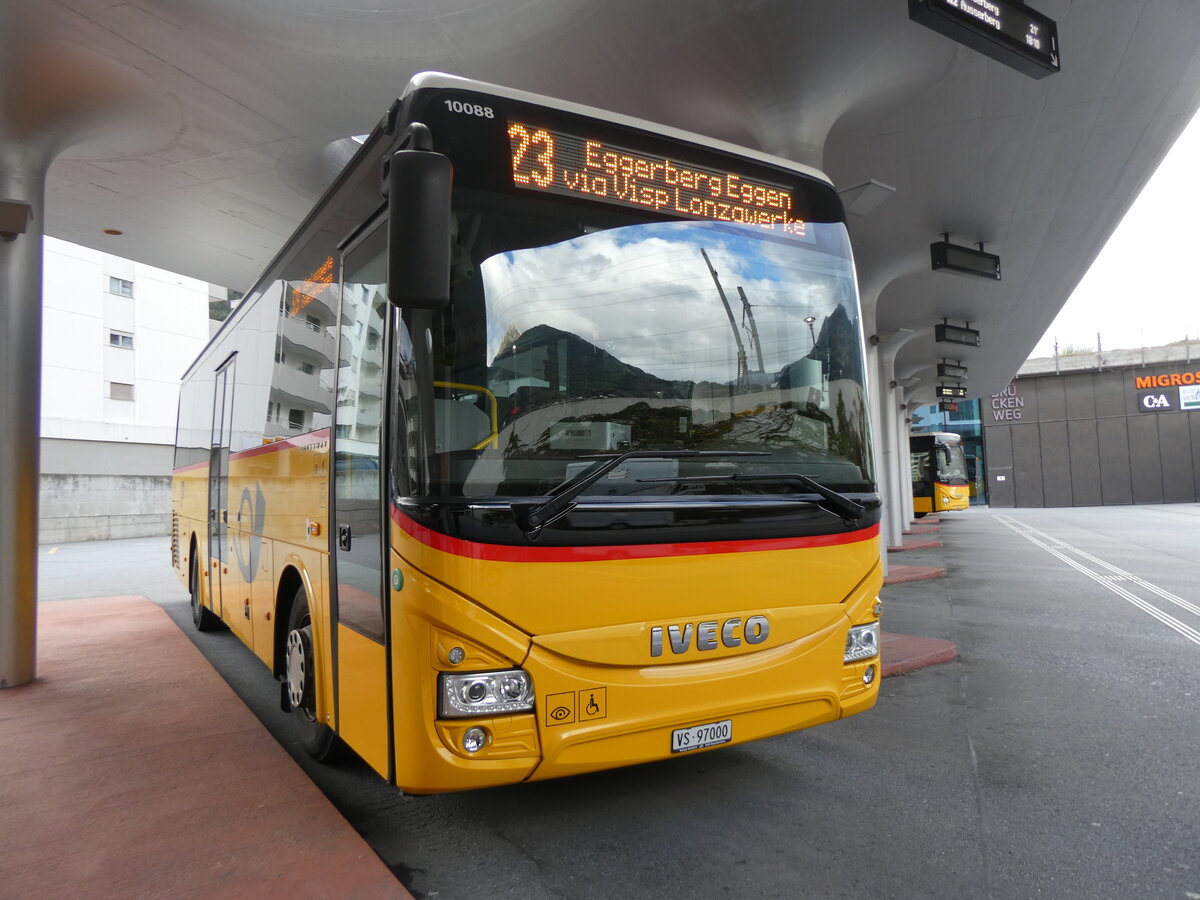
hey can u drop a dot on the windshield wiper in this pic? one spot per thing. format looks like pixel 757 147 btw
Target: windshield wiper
pixel 849 511
pixel 534 517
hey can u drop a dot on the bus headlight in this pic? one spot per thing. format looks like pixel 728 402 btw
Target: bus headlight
pixel 862 642
pixel 484 693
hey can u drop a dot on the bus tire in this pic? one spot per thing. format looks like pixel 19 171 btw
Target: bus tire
pixel 317 738
pixel 202 617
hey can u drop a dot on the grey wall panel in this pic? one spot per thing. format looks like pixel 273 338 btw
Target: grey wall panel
pixel 70 457
pixel 1145 459
pixel 1116 484
pixel 1129 390
pixel 1194 427
pixel 1109 389
pixel 997 457
pixel 1056 464
pixel 1080 397
pixel 1027 465
pixel 997 445
pixel 1084 449
pixel 1175 439
pixel 1051 399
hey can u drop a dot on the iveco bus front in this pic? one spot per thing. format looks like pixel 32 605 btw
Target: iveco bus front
pixel 622 468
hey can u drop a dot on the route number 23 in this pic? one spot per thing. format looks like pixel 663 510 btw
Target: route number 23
pixel 532 155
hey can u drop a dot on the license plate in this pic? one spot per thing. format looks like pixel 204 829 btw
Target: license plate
pixel 700 736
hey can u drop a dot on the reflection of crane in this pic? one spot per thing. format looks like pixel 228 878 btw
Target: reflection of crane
pixel 743 369
pixel 748 313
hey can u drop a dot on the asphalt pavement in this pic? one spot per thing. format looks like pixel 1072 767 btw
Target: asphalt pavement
pixel 1056 756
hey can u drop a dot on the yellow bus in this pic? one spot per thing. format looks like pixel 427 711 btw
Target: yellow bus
pixel 939 473
pixel 542 447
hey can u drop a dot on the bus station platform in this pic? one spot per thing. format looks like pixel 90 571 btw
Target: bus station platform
pixel 129 768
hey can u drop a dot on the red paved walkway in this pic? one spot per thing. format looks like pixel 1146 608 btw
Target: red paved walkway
pixel 915 542
pixel 901 574
pixel 902 653
pixel 131 769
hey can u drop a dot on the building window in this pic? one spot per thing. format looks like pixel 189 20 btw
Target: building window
pixel 296 418
pixel 280 356
pixel 121 339
pixel 120 286
pixel 119 391
pixel 307 368
pixel 313 322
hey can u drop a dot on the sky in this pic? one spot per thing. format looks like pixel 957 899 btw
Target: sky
pixel 1130 303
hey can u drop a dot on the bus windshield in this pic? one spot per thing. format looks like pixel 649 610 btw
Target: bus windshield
pixel 952 464
pixel 567 342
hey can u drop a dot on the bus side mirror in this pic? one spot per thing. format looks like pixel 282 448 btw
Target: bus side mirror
pixel 419 236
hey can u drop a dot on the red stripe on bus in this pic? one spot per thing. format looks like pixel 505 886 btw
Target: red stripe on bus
pixel 295 443
pixel 298 442
pixel 506 553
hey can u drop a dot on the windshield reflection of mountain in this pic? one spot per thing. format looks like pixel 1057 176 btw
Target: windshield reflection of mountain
pixel 563 396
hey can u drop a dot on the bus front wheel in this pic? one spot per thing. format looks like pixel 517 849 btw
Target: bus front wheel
pixel 317 739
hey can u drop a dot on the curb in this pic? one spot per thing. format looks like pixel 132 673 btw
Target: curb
pixel 901 654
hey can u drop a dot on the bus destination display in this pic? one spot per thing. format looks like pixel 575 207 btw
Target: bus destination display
pixel 562 163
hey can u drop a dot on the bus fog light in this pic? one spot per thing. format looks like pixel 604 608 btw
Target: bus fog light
pixel 869 675
pixel 474 739
pixel 862 642
pixel 484 693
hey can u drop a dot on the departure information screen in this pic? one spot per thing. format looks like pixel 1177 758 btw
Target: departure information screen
pixel 1008 31
pixel 559 162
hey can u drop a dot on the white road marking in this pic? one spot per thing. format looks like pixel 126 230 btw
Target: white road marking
pixel 1110 578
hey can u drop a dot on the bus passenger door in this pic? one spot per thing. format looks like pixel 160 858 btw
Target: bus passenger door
pixel 218 482
pixel 359 598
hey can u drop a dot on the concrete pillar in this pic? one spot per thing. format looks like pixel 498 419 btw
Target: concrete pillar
pixel 910 404
pixel 21 181
pixel 875 391
pixel 887 481
pixel 904 463
pixel 894 465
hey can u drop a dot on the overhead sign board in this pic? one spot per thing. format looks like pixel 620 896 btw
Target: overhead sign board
pixel 1003 30
pixel 950 370
pixel 953 334
pixel 951 390
pixel 950 257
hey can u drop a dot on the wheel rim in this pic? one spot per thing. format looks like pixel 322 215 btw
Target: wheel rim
pixel 195 597
pixel 299 663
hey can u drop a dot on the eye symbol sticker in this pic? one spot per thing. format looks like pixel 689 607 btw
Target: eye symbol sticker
pixel 560 708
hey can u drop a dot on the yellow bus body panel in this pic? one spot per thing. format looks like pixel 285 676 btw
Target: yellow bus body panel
pixel 278 519
pixel 362 715
pixel 952 496
pixel 582 632
pixel 579 622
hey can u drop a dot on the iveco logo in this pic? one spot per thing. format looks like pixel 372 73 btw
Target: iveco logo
pixel 732 632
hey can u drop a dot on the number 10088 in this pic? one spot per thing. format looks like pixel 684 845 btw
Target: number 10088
pixel 470 109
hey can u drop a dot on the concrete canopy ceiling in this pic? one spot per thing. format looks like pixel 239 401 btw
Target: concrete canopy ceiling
pixel 204 129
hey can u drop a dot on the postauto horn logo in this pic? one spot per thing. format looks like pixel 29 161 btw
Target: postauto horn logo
pixel 709 635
